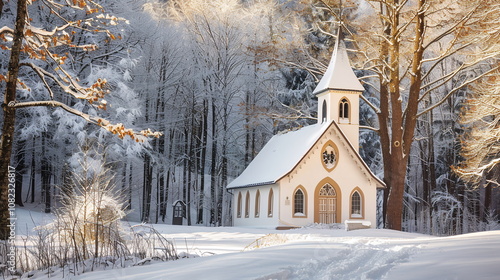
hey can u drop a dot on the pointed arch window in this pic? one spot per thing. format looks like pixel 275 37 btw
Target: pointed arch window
pixel 356 204
pixel 270 203
pixel 257 204
pixel 344 111
pixel 323 112
pixel 299 202
pixel 238 208
pixel 247 205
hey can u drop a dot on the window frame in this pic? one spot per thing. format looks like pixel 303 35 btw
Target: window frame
pixel 302 214
pixel 344 105
pixel 324 109
pixel 361 214
pixel 238 208
pixel 257 204
pixel 270 203
pixel 247 205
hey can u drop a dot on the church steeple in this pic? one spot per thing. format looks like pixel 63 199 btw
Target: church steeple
pixel 338 92
pixel 339 74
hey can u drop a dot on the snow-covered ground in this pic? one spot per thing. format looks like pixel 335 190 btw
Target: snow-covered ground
pixel 316 252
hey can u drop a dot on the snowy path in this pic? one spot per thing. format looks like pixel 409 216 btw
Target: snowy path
pixel 308 253
pixel 326 254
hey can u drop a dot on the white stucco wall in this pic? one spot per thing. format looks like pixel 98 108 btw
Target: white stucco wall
pixel 263 220
pixel 332 98
pixel 348 175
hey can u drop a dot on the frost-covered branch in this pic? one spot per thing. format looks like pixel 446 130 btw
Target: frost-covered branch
pixel 438 60
pixel 52 103
pixel 369 128
pixel 479 171
pixel 4 30
pixel 452 28
pixel 454 90
pixel 118 129
pixel 374 108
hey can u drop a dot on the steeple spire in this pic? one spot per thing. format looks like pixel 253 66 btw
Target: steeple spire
pixel 338 92
pixel 339 74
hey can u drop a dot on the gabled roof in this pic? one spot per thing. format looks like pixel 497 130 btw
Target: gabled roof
pixel 279 156
pixel 339 74
pixel 284 151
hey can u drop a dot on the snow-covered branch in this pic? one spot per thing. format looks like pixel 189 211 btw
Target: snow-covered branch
pixel 452 28
pixel 77 91
pixel 369 128
pixel 53 103
pixel 454 90
pixel 118 129
pixel 5 29
pixel 374 108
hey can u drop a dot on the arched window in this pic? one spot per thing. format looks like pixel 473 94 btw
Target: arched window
pixel 323 113
pixel 356 204
pixel 238 209
pixel 257 204
pixel 299 203
pixel 270 203
pixel 247 205
pixel 344 110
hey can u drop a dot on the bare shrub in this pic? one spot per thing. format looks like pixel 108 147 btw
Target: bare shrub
pixel 87 232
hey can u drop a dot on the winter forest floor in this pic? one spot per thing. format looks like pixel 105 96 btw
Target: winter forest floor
pixel 315 252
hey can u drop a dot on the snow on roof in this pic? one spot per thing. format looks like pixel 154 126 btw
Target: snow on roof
pixel 282 153
pixel 279 156
pixel 339 74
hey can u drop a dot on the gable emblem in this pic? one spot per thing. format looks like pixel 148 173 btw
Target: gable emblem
pixel 329 156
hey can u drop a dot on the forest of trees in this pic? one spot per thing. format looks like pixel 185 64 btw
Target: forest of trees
pixel 218 78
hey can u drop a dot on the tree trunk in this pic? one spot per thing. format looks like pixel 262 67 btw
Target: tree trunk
pixel 46 175
pixel 1 8
pixel 32 174
pixel 224 163
pixel 213 169
pixel 161 196
pixel 20 170
pixel 491 181
pixel 432 163
pixel 9 115
pixel 167 187
pixel 402 122
pixel 185 168
pixel 130 176
pixel 147 188
pixel 203 157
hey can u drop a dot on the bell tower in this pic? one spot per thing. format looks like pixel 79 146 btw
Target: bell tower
pixel 338 93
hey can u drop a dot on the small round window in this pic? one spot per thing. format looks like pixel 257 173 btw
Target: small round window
pixel 329 156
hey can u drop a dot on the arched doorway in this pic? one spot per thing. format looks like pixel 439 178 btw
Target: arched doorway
pixel 327 200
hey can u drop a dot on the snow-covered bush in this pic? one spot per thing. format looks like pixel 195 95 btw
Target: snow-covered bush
pixel 88 223
pixel 87 233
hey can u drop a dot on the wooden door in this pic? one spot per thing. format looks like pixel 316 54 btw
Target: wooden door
pixel 327 205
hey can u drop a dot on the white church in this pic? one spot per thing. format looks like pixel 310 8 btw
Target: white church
pixel 314 174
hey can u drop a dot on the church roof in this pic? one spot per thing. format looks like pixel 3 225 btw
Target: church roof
pixel 283 152
pixel 339 74
pixel 279 156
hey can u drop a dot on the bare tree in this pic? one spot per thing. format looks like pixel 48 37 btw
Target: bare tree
pixel 406 44
pixel 481 149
